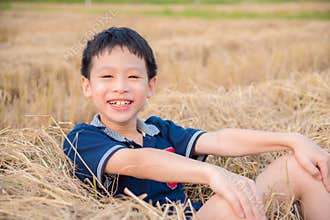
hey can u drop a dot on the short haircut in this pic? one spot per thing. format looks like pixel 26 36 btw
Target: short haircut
pixel 118 36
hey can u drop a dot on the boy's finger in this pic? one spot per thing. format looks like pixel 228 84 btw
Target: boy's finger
pixel 234 201
pixel 246 204
pixel 259 214
pixel 257 205
pixel 310 167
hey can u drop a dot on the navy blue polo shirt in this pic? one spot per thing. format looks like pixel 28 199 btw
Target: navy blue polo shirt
pixel 96 143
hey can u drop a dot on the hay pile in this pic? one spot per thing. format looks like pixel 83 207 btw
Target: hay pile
pixel 36 183
pixel 35 179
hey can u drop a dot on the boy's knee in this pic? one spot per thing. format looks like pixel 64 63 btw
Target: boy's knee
pixel 291 166
pixel 291 176
pixel 286 165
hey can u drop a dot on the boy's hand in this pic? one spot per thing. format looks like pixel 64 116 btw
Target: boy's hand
pixel 240 192
pixel 313 159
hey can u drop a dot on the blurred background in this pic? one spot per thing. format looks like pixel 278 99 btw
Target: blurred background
pixel 200 45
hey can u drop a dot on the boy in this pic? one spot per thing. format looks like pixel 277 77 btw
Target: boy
pixel 155 156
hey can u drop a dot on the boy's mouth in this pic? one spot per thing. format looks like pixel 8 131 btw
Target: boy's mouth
pixel 120 102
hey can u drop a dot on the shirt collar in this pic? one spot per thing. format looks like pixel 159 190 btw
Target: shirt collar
pixel 141 126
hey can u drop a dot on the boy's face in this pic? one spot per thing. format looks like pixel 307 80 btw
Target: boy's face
pixel 118 86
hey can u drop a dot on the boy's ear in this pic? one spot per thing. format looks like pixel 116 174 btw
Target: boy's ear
pixel 152 86
pixel 86 86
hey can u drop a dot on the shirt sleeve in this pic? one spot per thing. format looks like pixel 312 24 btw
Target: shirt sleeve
pixel 183 139
pixel 90 149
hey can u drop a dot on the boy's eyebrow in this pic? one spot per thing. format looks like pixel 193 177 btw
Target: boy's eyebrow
pixel 104 68
pixel 134 68
pixel 125 70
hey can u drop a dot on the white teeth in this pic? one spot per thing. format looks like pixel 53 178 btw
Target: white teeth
pixel 119 103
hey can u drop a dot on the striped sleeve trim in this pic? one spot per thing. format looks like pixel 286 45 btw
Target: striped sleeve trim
pixel 191 142
pixel 104 159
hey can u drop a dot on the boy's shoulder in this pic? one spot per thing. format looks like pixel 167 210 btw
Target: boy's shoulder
pixel 159 122
pixel 163 125
pixel 83 128
pixel 154 120
pixel 86 134
pixel 168 128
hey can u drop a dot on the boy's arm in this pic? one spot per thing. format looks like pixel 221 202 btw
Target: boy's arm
pixel 163 166
pixel 159 165
pixel 239 142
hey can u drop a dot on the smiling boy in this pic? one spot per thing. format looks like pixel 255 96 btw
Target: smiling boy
pixel 156 156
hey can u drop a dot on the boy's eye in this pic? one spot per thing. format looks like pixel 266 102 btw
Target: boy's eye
pixel 107 76
pixel 133 77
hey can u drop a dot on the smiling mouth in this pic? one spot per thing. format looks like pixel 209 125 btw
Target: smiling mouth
pixel 119 103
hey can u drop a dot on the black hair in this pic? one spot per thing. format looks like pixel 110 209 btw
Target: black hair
pixel 118 36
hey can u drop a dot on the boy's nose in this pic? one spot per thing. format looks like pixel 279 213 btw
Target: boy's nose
pixel 120 86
